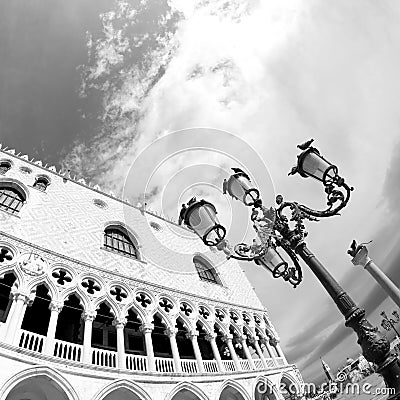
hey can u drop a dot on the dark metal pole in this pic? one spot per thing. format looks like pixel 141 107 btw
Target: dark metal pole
pixel 375 346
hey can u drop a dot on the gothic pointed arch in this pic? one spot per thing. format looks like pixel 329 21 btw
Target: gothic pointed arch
pixel 37 316
pixel 186 391
pixel 264 389
pixel 45 377
pixel 232 390
pixel 290 387
pixel 122 387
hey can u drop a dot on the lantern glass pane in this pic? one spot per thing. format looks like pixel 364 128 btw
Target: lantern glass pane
pixel 202 218
pixel 314 165
pixel 238 187
pixel 272 258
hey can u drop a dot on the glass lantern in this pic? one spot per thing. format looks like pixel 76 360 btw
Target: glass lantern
pixel 240 187
pixel 201 217
pixel 311 163
pixel 273 261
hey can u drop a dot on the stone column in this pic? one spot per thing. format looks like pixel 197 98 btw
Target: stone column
pixel 270 350
pixel 88 317
pixel 211 338
pixel 228 340
pixel 254 341
pixel 247 351
pixel 360 257
pixel 55 309
pixel 147 329
pixel 119 324
pixel 171 333
pixel 20 302
pixel 193 337
pixel 280 352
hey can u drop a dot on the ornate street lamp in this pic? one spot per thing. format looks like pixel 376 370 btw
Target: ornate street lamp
pixel 389 323
pixel 275 230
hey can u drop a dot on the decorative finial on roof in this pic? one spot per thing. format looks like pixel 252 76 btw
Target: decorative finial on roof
pixel 66 175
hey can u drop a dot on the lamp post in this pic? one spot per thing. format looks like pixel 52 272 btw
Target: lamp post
pixel 277 232
pixel 389 323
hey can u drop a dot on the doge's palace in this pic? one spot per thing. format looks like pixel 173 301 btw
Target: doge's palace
pixel 104 300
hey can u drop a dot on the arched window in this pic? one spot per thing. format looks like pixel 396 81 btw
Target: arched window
pixel 11 199
pixel 206 271
pixel 118 240
pixel 41 183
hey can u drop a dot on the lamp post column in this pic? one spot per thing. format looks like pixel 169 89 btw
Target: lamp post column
pixel 211 338
pixel 375 347
pixel 228 340
pixel 361 258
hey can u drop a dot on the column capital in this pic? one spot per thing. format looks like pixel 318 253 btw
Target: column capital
pixel 56 306
pixel 119 322
pixel 211 336
pixel 26 298
pixel 192 334
pixel 171 332
pixel 146 328
pixel 89 315
pixel 242 338
pixel 252 339
pixel 227 338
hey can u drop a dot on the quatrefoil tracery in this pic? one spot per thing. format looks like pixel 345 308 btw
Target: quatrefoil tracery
pixel 5 255
pixel 166 305
pixel 90 285
pixel 143 299
pixel 118 293
pixel 186 309
pixel 204 312
pixel 62 276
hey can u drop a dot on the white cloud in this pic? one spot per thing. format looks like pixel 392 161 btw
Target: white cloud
pixel 275 73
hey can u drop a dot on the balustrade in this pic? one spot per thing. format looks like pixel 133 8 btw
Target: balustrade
pixel 67 350
pixel 164 364
pixel 229 365
pixel 189 366
pixel 31 341
pixel 104 358
pixel 280 361
pixel 210 366
pixel 245 365
pixel 136 363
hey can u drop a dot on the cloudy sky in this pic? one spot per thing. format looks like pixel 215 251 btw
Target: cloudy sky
pixel 90 85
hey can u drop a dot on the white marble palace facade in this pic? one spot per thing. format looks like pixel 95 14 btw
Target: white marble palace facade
pixel 102 300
